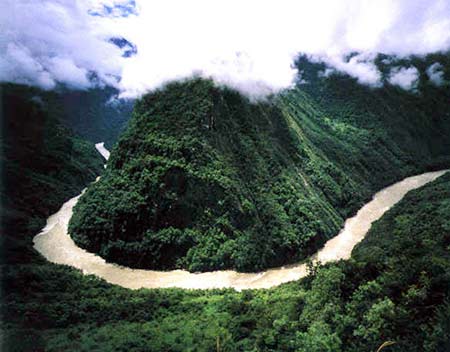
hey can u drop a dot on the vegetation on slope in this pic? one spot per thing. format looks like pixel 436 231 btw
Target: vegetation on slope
pixel 199 180
pixel 203 179
pixel 386 126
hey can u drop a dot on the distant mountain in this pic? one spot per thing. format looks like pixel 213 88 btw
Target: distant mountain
pixel 204 179
pixel 95 114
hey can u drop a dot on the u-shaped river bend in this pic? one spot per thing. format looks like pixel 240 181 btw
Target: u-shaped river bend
pixel 55 244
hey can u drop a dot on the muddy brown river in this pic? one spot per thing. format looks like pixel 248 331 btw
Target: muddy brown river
pixel 56 245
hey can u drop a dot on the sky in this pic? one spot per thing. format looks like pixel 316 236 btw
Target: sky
pixel 248 45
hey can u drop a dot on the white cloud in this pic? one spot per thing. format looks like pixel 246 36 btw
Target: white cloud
pixel 360 66
pixel 18 65
pixel 406 78
pixel 435 74
pixel 45 42
pixel 249 45
pixel 65 70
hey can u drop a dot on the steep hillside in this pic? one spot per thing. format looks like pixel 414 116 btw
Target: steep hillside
pixel 195 182
pixel 204 179
pixel 96 114
pixel 374 135
pixel 378 124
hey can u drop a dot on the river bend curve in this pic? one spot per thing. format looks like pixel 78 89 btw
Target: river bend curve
pixel 56 245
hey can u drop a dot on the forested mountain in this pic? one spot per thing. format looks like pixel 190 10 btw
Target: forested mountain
pixel 204 179
pixel 96 114
pixel 45 155
pixel 304 157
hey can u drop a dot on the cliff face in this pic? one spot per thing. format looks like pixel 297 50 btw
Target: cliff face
pixel 204 179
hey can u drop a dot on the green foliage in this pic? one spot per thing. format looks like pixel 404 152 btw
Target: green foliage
pixel 219 171
pixel 251 185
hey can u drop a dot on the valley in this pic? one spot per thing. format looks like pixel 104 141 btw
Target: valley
pixel 304 163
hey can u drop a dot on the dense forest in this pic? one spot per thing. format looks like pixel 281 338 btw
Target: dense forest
pixel 205 179
pixel 395 288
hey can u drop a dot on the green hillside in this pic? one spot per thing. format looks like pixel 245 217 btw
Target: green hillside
pixel 204 179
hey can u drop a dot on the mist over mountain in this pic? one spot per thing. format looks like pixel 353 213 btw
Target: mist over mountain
pixel 137 46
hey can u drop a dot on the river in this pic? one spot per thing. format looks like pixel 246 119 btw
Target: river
pixel 56 245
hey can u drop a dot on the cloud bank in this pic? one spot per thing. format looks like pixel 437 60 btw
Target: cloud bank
pixel 248 45
pixel 45 42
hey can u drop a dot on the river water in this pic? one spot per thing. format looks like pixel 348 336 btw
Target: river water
pixel 56 245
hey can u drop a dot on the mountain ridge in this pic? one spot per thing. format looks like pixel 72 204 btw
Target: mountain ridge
pixel 214 181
